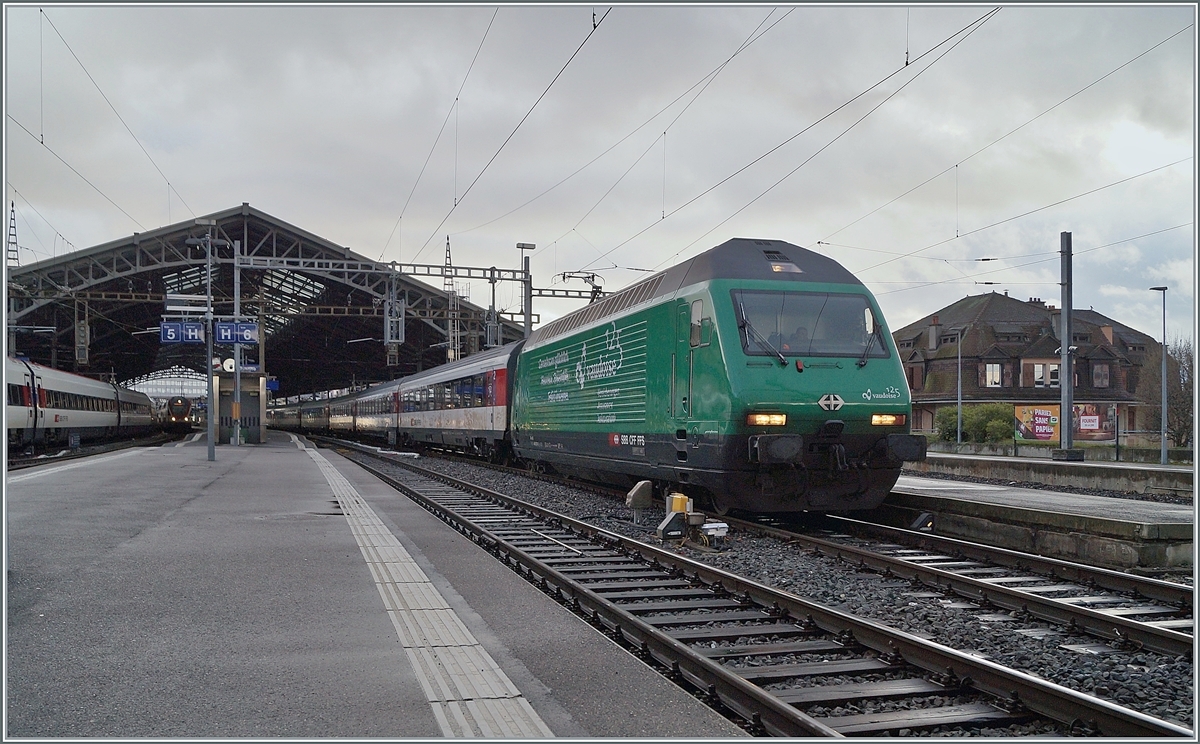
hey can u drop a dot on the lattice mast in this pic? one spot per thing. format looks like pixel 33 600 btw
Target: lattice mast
pixel 452 330
pixel 14 255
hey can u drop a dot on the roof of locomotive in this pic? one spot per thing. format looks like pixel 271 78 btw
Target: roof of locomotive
pixel 739 258
pixel 749 258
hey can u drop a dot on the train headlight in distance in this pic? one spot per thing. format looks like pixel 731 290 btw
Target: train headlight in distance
pixel 888 419
pixel 766 419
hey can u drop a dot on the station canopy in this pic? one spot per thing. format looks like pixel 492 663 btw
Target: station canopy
pixel 321 309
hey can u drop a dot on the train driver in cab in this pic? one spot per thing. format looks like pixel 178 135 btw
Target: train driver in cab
pixel 798 341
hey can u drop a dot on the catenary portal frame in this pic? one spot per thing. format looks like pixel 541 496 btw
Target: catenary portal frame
pixel 321 307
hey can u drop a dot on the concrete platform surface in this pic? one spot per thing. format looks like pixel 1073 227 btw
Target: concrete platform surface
pixel 1112 532
pixel 284 592
pixel 1112 476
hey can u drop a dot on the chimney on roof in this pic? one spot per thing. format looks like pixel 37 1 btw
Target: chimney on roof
pixel 934 333
pixel 1107 331
pixel 1036 301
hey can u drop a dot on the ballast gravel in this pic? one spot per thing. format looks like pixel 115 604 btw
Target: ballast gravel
pixel 1151 683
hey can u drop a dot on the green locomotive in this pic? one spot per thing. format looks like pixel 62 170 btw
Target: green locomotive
pixel 758 376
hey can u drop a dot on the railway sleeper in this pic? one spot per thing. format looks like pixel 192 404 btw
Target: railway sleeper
pixel 733 633
pixel 679 603
pixel 699 618
pixel 970 714
pixel 852 691
pixel 866 664
pixel 747 650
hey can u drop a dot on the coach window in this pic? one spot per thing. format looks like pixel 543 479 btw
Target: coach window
pixel 477 389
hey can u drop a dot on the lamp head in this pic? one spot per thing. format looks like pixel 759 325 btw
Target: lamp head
pixel 1158 289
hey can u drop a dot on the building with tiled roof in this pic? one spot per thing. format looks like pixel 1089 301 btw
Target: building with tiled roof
pixel 1010 354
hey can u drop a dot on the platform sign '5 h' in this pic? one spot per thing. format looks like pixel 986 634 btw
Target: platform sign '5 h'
pixel 187 333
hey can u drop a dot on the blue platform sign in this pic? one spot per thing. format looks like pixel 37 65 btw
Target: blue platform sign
pixel 170 333
pixel 175 333
pixel 193 333
pixel 225 333
pixel 247 333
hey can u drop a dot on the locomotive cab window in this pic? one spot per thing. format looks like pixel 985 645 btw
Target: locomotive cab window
pixel 808 324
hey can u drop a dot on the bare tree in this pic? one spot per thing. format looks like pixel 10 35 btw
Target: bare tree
pixel 1180 385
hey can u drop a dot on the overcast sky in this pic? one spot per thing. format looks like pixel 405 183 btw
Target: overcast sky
pixel 813 131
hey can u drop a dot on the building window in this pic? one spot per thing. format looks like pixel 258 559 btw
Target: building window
pixel 1040 374
pixel 914 377
pixel 1100 375
pixel 994 375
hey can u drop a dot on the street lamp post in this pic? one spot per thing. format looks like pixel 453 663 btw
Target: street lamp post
pixel 959 344
pixel 207 241
pixel 1163 428
pixel 208 339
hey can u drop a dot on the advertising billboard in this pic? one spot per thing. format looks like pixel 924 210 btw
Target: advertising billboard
pixel 1094 422
pixel 1036 423
pixel 1090 422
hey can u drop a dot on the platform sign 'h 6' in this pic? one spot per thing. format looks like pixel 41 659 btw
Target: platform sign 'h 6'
pixel 235 333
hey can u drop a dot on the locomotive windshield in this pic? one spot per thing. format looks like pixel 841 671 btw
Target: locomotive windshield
pixel 808 324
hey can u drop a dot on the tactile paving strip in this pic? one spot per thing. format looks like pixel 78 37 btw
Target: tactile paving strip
pixel 470 695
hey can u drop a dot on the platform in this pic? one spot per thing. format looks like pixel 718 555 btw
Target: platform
pixel 281 591
pixel 1135 477
pixel 1110 532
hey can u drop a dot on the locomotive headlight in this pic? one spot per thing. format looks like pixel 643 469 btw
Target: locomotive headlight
pixel 888 419
pixel 766 419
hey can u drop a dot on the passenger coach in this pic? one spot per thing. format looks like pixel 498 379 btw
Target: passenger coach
pixel 47 406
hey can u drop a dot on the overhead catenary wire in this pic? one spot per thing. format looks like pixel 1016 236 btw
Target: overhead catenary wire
pixel 453 109
pixel 503 144
pixel 1032 263
pixel 749 40
pixel 965 32
pixel 1008 134
pixel 85 180
pixel 635 130
pixel 794 136
pixel 933 258
pixel 1026 214
pixel 39 214
pixel 119 117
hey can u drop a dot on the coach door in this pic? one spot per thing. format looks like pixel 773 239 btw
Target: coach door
pixel 681 382
pixel 681 367
pixel 32 401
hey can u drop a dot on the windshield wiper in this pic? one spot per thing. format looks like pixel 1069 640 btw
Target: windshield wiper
pixel 762 342
pixel 870 341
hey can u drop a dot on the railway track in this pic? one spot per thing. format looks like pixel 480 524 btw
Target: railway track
pixel 63 454
pixel 1136 611
pixel 1133 611
pixel 782 665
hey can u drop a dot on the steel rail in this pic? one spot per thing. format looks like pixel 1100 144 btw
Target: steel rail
pixel 23 463
pixel 1093 622
pixel 1103 578
pixel 1040 696
pixel 1086 620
